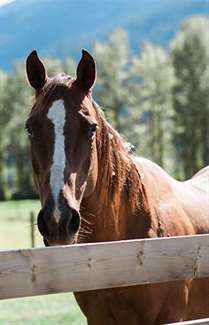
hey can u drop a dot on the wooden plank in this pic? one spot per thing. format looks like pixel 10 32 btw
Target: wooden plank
pixel 204 321
pixel 29 272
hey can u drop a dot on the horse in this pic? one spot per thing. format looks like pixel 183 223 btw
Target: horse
pixel 93 189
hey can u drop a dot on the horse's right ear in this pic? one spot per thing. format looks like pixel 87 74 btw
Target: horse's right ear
pixel 35 71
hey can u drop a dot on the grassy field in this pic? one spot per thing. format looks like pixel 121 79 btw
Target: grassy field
pixel 45 310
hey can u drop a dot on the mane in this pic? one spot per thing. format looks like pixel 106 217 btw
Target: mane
pixel 119 172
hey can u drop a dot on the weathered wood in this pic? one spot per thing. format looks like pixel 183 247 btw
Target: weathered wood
pixel 30 272
pixel 204 321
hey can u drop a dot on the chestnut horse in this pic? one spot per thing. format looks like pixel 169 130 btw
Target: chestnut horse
pixel 92 189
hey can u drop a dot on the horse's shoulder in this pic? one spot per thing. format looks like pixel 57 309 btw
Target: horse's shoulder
pixel 152 169
pixel 145 163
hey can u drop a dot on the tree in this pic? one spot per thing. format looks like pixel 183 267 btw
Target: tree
pixel 3 119
pixel 56 65
pixel 17 102
pixel 190 55
pixel 152 80
pixel 111 91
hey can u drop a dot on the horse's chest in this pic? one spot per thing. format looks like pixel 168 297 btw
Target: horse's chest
pixel 110 307
pixel 137 305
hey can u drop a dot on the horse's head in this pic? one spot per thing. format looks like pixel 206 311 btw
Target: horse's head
pixel 61 128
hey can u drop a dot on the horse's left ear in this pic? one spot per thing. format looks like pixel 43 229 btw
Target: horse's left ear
pixel 86 71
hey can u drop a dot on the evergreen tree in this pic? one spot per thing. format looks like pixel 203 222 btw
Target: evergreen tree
pixel 17 103
pixel 3 118
pixel 152 78
pixel 190 55
pixel 112 62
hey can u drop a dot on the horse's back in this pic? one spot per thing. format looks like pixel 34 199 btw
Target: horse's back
pixel 204 172
pixel 201 178
pixel 196 200
pixel 183 205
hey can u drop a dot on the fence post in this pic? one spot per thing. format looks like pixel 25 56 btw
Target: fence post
pixel 32 229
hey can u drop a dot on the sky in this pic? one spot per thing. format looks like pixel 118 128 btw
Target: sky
pixel 5 2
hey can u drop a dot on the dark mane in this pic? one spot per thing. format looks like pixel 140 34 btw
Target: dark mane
pixel 119 172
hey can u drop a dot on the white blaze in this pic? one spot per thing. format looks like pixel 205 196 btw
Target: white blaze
pixel 56 114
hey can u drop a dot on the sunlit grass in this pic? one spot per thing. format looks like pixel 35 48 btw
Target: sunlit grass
pixel 15 228
pixel 43 310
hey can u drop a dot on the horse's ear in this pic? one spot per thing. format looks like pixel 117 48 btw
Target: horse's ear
pixel 86 71
pixel 35 71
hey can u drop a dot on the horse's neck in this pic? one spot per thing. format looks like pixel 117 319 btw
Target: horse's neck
pixel 118 216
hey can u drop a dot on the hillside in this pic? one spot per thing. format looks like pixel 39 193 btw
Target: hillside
pixel 62 27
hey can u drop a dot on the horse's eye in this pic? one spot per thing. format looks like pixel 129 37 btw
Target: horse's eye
pixel 91 126
pixel 89 123
pixel 29 130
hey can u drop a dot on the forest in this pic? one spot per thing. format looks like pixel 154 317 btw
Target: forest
pixel 158 99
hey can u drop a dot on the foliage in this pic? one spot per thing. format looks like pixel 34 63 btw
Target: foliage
pixel 152 80
pixel 190 55
pixel 3 119
pixel 112 59
pixel 17 101
pixel 157 99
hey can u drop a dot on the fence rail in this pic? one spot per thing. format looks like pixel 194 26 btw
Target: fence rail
pixel 204 321
pixel 30 272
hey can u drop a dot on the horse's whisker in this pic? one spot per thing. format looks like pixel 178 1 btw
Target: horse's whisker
pixel 31 225
pixel 86 221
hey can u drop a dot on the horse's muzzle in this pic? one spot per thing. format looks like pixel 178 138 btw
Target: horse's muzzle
pixel 59 230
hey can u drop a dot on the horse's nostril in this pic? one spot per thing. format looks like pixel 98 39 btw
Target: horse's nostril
pixel 42 227
pixel 74 223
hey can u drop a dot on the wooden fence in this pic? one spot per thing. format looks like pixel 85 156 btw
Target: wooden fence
pixel 30 272
pixel 194 322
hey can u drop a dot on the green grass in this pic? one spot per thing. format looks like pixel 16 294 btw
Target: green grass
pixel 15 224
pixel 44 310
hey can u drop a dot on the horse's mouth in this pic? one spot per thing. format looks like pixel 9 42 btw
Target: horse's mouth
pixel 48 244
